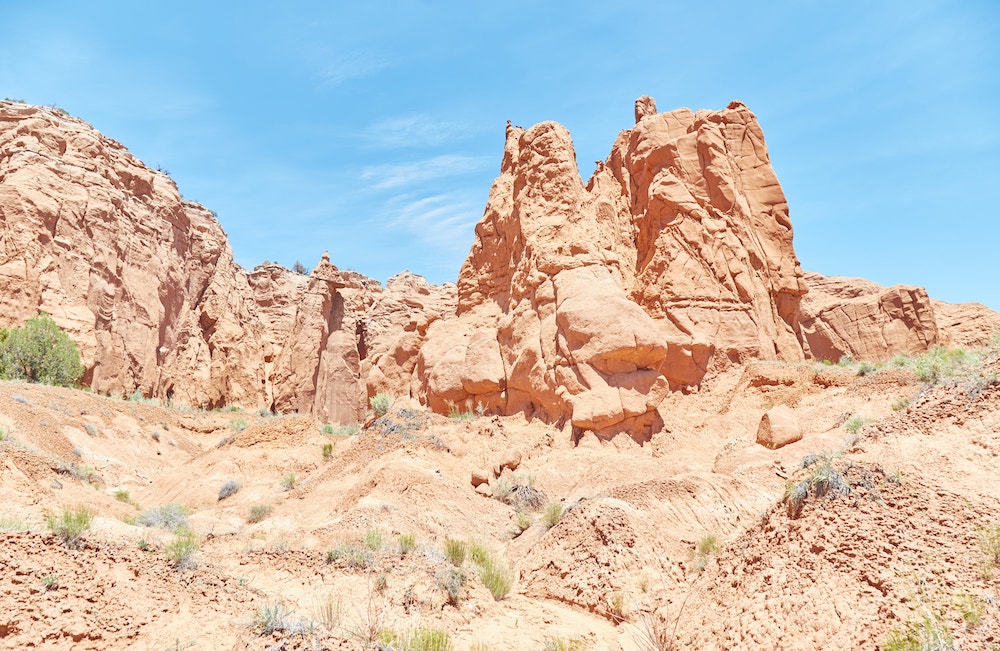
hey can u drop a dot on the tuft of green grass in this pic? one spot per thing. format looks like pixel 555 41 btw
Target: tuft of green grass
pixel 560 644
pixel 454 551
pixel 180 552
pixel 407 543
pixel 522 522
pixel 330 612
pixel 71 524
pixel 972 609
pixel 288 481
pixel 327 450
pixel 458 414
pixel 416 639
pixel 238 424
pixel 12 524
pixel 122 496
pixel 553 514
pixel 478 552
pixel 340 430
pixel 258 512
pixel 373 539
pixel 380 403
pixel 497 577
pixel 853 424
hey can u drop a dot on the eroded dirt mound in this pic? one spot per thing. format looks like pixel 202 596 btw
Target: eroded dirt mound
pixel 849 570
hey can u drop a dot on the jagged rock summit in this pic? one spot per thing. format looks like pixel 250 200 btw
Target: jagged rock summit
pixel 584 304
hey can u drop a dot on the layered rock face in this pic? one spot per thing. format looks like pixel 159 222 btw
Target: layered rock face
pixel 589 303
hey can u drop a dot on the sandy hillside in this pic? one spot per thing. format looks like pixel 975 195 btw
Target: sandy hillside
pixel 325 569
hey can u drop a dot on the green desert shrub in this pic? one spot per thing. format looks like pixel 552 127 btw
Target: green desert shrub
pixel 380 403
pixel 258 512
pixel 70 524
pixel 451 579
pixel 39 351
pixel 354 557
pixel 181 551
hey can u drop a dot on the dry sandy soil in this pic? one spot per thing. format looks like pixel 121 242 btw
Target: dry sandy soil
pixel 621 566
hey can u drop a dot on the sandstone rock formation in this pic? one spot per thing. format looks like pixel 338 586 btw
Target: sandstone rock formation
pixel 579 304
pixel 778 427
pixel 857 317
pixel 589 303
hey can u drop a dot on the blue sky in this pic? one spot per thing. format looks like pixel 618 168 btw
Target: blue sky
pixel 373 130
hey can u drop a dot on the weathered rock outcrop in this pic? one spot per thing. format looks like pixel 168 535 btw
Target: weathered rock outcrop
pixel 584 304
pixel 588 303
pixel 145 281
pixel 857 317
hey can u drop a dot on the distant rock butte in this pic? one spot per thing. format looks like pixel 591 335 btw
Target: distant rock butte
pixel 579 303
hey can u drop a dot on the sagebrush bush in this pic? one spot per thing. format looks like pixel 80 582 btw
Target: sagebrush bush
pixel 39 351
pixel 451 579
pixel 70 524
pixel 171 517
pixel 229 489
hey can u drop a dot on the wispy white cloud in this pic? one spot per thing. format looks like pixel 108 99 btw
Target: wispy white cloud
pixel 443 221
pixel 397 175
pixel 416 130
pixel 334 69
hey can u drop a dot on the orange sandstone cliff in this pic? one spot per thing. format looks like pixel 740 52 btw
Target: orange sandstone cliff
pixel 580 303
